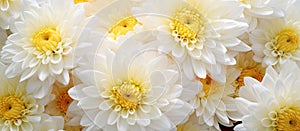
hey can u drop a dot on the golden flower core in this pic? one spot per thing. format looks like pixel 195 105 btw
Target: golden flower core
pixel 63 102
pixel 187 26
pixel 46 39
pixel 128 95
pixel 287 41
pixel 288 120
pixel 80 1
pixel 11 108
pixel 254 73
pixel 206 85
pixel 124 26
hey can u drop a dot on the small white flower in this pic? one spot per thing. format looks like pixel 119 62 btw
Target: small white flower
pixel 274 103
pixel 201 34
pixel 60 105
pixel 41 49
pixel 20 111
pixel 214 105
pixel 130 89
pixel 277 40
pixel 245 67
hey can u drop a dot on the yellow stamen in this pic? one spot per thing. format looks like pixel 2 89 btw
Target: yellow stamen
pixel 187 26
pixel 288 120
pixel 128 95
pixel 63 102
pixel 46 39
pixel 287 41
pixel 254 73
pixel 124 26
pixel 206 88
pixel 11 108
pixel 80 1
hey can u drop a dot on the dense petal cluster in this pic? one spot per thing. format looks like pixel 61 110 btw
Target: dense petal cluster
pixel 149 65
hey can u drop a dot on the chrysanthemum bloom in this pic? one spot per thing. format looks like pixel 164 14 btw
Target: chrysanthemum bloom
pixel 277 40
pixel 245 67
pixel 41 50
pixel 214 105
pixel 262 9
pixel 201 34
pixel 60 105
pixel 116 21
pixel 134 88
pixel 20 111
pixel 274 103
pixel 10 10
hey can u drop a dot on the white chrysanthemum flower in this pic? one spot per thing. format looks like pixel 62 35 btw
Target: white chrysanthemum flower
pixel 262 9
pixel 245 67
pixel 41 50
pixel 277 40
pixel 116 21
pixel 20 111
pixel 60 105
pixel 274 103
pixel 202 34
pixel 10 10
pixel 133 89
pixel 214 105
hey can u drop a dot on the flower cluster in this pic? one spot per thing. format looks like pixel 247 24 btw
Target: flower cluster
pixel 149 65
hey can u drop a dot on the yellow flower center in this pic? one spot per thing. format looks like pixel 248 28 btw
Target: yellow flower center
pixel 46 39
pixel 63 102
pixel 128 95
pixel 11 108
pixel 254 73
pixel 287 41
pixel 206 85
pixel 187 26
pixel 80 1
pixel 288 120
pixel 124 26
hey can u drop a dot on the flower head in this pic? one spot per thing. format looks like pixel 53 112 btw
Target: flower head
pixel 129 89
pixel 198 33
pixel 272 104
pixel 48 34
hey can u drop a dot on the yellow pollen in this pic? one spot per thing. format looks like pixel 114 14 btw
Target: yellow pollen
pixel 287 41
pixel 187 26
pixel 124 26
pixel 206 88
pixel 80 1
pixel 46 39
pixel 11 108
pixel 63 102
pixel 288 120
pixel 127 95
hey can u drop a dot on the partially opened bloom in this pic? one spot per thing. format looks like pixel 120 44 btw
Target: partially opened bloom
pixel 60 105
pixel 41 49
pixel 214 105
pixel 134 88
pixel 277 40
pixel 115 21
pixel 201 34
pixel 274 103
pixel 20 111
pixel 245 67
